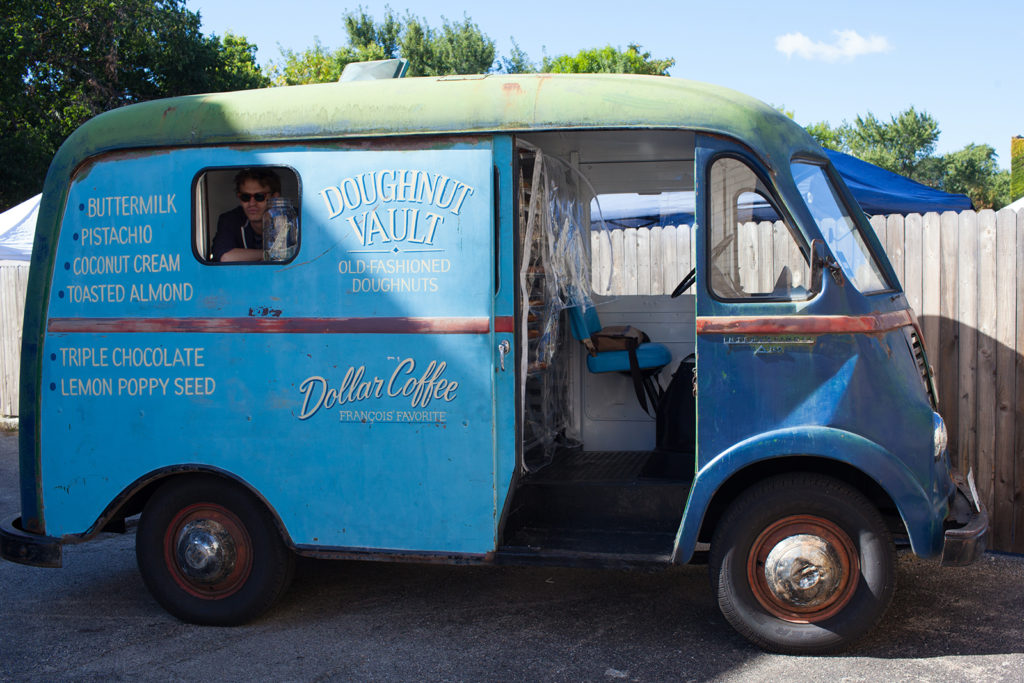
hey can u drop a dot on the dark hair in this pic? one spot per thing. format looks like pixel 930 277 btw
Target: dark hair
pixel 263 176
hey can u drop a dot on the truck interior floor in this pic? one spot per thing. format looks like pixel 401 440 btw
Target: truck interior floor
pixel 602 507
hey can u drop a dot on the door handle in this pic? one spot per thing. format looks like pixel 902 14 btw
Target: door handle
pixel 503 348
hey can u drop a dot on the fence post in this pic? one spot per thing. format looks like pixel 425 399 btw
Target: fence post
pixel 967 330
pixel 13 285
pixel 931 281
pixel 1006 380
pixel 1017 521
pixel 913 253
pixel 985 375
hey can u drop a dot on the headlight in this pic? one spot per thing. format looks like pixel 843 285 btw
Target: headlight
pixel 940 438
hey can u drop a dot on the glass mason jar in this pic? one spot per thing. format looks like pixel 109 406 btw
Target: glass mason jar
pixel 280 230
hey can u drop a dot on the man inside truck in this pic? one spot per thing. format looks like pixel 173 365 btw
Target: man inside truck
pixel 240 231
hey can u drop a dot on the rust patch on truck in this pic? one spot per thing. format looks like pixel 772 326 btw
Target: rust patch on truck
pixel 271 325
pixel 873 323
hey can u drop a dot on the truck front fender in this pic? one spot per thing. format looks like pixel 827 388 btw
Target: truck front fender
pixel 921 511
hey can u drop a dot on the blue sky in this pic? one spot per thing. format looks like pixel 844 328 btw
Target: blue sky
pixel 825 61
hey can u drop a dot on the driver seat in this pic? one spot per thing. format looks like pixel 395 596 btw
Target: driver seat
pixel 642 360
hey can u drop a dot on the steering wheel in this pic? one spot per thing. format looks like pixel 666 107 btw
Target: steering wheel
pixel 685 283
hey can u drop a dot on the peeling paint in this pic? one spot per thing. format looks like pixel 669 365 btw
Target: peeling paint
pixel 264 311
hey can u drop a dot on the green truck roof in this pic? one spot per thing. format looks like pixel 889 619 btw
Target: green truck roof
pixel 446 105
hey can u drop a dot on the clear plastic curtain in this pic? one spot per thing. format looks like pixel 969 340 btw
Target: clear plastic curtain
pixel 555 275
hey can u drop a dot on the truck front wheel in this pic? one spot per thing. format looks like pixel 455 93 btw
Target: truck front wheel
pixel 210 553
pixel 802 564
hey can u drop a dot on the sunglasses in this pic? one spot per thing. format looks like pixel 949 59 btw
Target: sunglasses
pixel 259 196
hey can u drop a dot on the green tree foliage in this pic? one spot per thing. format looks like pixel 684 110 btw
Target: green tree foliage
pixel 458 47
pixel 234 65
pixel 455 48
pixel 518 62
pixel 368 41
pixel 906 145
pixel 973 171
pixel 64 62
pixel 899 145
pixel 608 60
pixel 829 137
pixel 371 40
pixel 1016 168
pixel 313 65
pixel 790 114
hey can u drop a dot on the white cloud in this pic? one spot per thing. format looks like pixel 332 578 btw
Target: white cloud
pixel 847 45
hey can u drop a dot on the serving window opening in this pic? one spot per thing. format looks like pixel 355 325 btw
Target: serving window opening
pixel 246 215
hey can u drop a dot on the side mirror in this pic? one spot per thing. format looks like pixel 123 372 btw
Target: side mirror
pixel 820 260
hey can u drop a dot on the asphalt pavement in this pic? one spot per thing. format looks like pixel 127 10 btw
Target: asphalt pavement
pixel 94 620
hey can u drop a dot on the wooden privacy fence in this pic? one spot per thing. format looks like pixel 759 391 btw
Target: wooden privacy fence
pixel 13 281
pixel 659 256
pixel 963 274
pixel 653 260
pixel 964 277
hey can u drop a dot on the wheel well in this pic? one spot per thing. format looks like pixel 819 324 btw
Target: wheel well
pixel 758 471
pixel 133 499
pixel 137 500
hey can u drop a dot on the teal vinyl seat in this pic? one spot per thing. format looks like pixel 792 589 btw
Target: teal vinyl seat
pixel 649 356
pixel 642 363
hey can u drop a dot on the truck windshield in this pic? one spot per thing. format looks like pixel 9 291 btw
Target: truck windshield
pixel 840 231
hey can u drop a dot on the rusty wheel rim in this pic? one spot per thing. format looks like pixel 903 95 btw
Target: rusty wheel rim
pixel 803 569
pixel 208 551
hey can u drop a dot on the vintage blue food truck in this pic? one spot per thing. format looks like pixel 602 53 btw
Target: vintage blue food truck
pixel 573 320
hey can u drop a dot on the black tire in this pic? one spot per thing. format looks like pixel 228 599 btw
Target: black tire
pixel 827 539
pixel 210 553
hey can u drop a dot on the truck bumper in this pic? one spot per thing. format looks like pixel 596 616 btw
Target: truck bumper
pixel 18 545
pixel 966 526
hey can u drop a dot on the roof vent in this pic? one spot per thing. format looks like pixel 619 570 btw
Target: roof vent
pixel 381 69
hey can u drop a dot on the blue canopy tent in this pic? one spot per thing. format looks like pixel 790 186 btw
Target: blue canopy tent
pixel 878 191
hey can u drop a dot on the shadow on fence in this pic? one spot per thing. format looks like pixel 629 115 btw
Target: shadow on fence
pixel 981 393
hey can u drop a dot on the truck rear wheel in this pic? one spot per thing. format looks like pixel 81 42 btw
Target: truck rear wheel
pixel 802 564
pixel 210 553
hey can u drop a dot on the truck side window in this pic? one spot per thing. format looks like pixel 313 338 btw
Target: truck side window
pixel 246 215
pixel 641 243
pixel 754 252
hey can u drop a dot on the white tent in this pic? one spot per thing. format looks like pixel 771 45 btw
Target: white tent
pixel 1016 206
pixel 18 229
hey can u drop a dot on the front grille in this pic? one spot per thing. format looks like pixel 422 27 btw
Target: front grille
pixel 923 367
